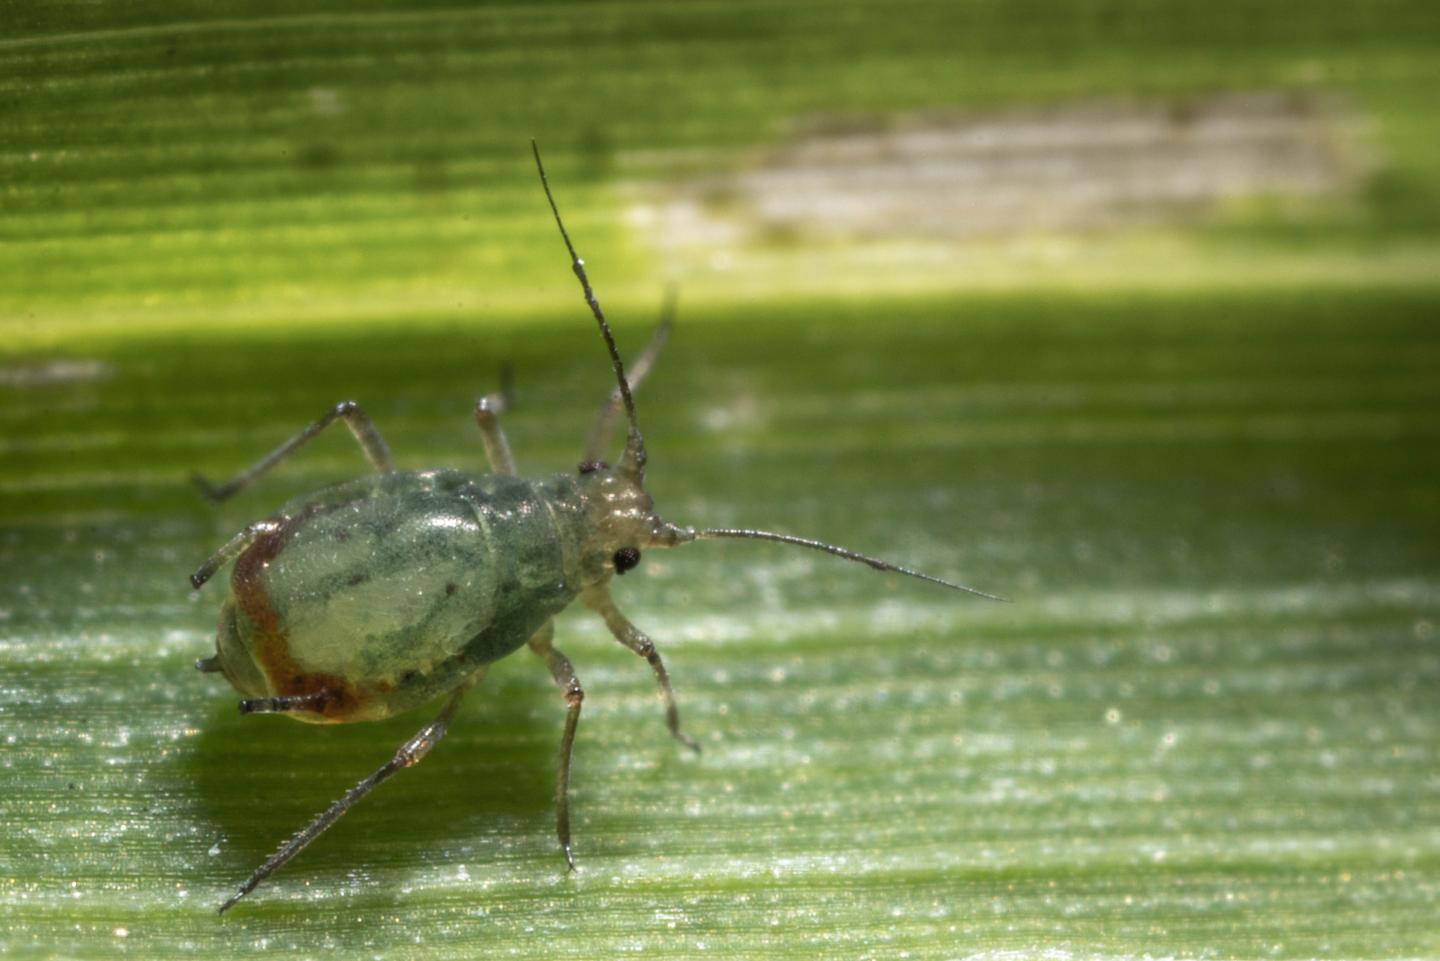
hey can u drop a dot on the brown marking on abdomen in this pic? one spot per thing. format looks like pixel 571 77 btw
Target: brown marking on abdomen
pixel 337 699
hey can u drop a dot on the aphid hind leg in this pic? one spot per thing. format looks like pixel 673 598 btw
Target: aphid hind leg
pixel 229 552
pixel 487 417
pixel 564 674
pixel 284 703
pixel 598 600
pixel 409 754
pixel 376 452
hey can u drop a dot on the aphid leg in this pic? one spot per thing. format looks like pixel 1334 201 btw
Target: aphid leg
pixel 408 755
pixel 598 600
pixel 283 703
pixel 229 552
pixel 564 674
pixel 356 419
pixel 604 425
pixel 487 415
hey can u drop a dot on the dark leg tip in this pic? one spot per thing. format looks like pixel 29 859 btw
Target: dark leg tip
pixel 206 489
pixel 213 494
pixel 207 665
pixel 569 859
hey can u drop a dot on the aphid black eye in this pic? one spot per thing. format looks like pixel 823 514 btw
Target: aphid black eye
pixel 625 559
pixel 591 466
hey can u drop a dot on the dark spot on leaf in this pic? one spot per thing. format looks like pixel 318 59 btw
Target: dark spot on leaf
pixel 318 156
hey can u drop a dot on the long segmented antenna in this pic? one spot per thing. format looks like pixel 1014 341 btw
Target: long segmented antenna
pixel 845 552
pixel 639 368
pixel 633 462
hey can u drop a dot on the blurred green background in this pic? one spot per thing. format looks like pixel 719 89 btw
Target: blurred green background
pixel 1126 311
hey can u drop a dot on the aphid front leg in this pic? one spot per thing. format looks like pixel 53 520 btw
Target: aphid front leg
pixel 409 754
pixel 376 452
pixel 564 674
pixel 598 600
pixel 487 416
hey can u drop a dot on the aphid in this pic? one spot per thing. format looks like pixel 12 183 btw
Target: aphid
pixel 372 597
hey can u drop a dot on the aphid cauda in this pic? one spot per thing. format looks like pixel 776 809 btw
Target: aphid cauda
pixel 370 598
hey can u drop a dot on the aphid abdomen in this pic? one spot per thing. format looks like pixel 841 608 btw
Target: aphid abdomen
pixel 376 595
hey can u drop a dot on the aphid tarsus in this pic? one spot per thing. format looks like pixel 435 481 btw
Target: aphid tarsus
pixel 372 597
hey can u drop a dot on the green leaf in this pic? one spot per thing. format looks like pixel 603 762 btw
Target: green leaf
pixel 1204 726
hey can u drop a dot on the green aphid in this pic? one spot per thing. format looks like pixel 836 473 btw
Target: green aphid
pixel 373 597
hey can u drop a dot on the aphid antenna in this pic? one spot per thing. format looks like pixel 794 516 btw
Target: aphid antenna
pixel 632 462
pixel 716 533
pixel 640 366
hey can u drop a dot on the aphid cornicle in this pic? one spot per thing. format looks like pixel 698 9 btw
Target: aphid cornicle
pixel 375 596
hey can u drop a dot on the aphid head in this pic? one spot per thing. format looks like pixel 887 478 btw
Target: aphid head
pixel 623 515
pixel 619 521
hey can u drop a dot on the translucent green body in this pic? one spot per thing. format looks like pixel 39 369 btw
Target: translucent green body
pixel 380 593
